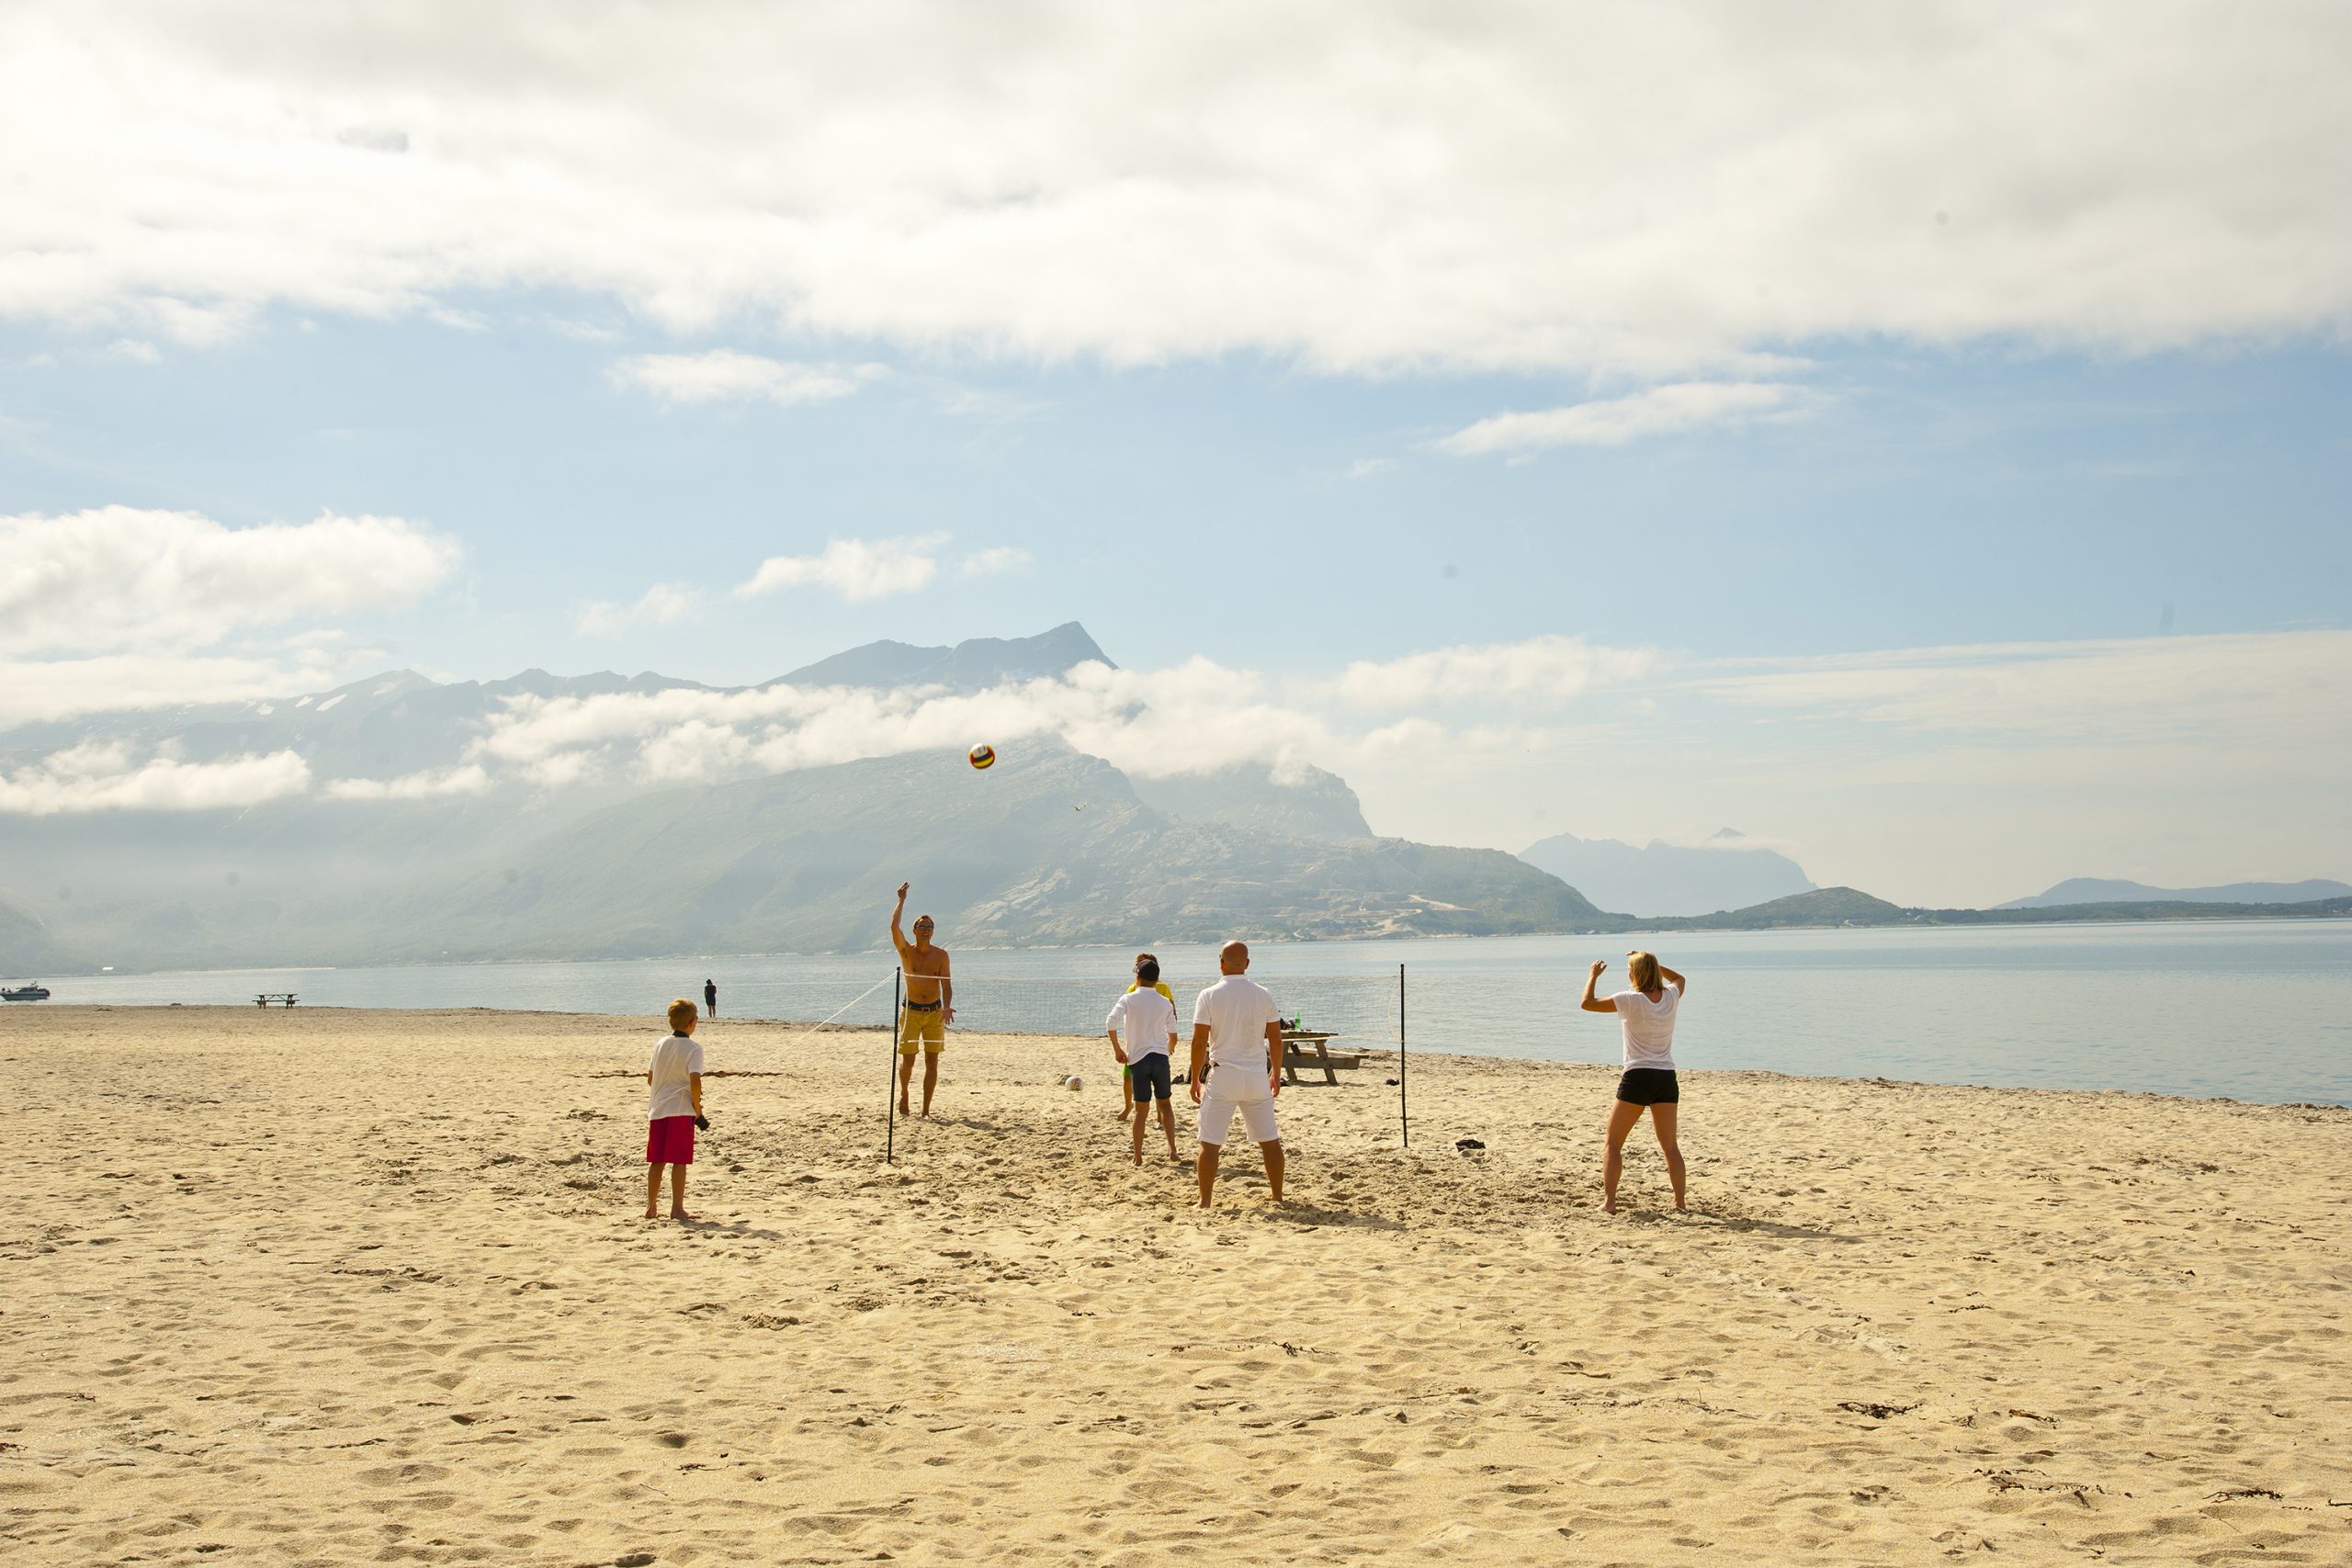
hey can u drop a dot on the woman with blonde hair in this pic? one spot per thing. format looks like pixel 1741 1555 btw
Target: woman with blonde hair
pixel 1646 1014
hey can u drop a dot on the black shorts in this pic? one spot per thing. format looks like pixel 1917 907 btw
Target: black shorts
pixel 1149 1077
pixel 1649 1085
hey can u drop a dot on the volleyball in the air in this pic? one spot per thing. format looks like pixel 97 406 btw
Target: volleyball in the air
pixel 983 756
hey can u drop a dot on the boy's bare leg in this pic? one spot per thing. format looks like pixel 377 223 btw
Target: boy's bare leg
pixel 1126 1094
pixel 652 1191
pixel 1136 1131
pixel 1622 1114
pixel 1273 1152
pixel 1168 1126
pixel 905 1076
pixel 1662 1122
pixel 678 1193
pixel 930 1079
pixel 1208 1173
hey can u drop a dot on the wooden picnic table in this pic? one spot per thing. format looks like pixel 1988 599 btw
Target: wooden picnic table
pixel 1312 1048
pixel 283 998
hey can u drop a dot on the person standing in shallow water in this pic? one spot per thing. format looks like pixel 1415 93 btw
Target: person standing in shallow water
pixel 1646 1014
pixel 711 999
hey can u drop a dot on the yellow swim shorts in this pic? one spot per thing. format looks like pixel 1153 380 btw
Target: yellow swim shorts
pixel 921 1029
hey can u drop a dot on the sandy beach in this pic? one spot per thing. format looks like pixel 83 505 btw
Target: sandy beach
pixel 322 1286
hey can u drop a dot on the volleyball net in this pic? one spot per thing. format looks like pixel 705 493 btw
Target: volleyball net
pixel 1354 1012
pixel 1357 1010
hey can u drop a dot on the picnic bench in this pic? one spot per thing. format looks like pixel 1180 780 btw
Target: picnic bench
pixel 1312 1048
pixel 283 998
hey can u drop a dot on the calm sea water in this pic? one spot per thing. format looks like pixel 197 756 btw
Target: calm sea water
pixel 2257 1010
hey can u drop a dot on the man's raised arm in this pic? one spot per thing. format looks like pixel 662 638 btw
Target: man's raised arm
pixel 897 913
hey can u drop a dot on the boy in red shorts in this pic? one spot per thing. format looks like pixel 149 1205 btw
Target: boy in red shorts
pixel 676 1111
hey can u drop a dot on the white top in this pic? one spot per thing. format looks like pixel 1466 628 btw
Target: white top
pixel 1236 1009
pixel 1649 1027
pixel 1145 1020
pixel 675 1060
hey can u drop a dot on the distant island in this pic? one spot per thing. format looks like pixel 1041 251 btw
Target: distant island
pixel 1828 906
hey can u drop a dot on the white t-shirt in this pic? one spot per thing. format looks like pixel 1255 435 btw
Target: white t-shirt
pixel 675 1060
pixel 1649 1027
pixel 1236 1009
pixel 1145 1020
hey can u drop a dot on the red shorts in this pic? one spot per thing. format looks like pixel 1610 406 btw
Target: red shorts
pixel 670 1141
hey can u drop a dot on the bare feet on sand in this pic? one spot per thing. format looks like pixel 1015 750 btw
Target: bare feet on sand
pixel 903 1108
pixel 682 1215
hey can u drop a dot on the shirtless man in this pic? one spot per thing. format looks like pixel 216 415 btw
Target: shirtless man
pixel 930 1005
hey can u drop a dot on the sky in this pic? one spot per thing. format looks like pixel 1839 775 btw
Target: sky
pixel 1917 437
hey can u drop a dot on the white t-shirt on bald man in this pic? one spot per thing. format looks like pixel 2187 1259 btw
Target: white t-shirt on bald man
pixel 1236 1009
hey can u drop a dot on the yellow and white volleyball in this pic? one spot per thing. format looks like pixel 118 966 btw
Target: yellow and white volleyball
pixel 983 756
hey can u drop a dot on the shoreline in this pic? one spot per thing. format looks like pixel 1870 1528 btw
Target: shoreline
pixel 883 953
pixel 1372 1053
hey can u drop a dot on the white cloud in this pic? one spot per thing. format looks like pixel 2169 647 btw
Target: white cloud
pixel 133 351
pixel 1613 421
pixel 1659 189
pixel 2268 693
pixel 1364 467
pixel 100 776
pixel 34 690
pixel 724 376
pixel 433 784
pixel 664 604
pixel 857 569
pixel 996 560
pixel 1542 670
pixel 123 579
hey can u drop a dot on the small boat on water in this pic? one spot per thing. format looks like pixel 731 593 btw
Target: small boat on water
pixel 33 991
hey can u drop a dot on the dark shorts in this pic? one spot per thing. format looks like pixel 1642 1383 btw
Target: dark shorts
pixel 1649 1085
pixel 1149 1074
pixel 670 1141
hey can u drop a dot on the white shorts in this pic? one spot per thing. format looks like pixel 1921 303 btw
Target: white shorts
pixel 1216 1114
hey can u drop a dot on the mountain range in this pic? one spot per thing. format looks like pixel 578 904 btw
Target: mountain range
pixel 1725 871
pixel 2099 890
pixel 1048 846
pixel 407 849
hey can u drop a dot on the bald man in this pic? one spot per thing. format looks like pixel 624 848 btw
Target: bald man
pixel 1237 1048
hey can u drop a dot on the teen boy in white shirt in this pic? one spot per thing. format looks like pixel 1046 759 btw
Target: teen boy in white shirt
pixel 1237 1048
pixel 1149 1019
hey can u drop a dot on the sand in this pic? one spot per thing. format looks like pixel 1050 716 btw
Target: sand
pixel 325 1286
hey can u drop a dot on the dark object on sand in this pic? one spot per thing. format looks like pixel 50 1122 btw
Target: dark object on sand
pixel 1467 1144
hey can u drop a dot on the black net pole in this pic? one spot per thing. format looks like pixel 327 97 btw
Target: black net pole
pixel 1404 1111
pixel 890 1137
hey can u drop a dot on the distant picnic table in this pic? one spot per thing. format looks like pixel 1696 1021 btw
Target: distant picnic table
pixel 1312 1048
pixel 283 998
